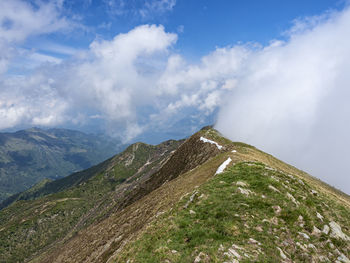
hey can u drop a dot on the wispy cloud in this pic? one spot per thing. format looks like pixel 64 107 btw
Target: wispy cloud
pixel 142 8
pixel 20 20
pixel 57 48
pixel 151 8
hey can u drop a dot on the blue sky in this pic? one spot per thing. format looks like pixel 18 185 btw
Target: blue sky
pixel 274 74
pixel 201 25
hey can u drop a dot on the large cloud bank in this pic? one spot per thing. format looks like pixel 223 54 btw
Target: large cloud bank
pixel 292 99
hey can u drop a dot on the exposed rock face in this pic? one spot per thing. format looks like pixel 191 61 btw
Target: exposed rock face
pixel 325 229
pixel 319 216
pixel 283 256
pixel 336 232
pixel 343 258
pixel 242 184
pixel 277 209
pixel 316 231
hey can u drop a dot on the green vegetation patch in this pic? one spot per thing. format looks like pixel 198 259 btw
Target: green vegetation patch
pixel 246 213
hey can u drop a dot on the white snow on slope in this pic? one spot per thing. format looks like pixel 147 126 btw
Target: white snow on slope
pixel 210 141
pixel 223 166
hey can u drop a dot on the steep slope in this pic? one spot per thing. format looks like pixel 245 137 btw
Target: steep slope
pixel 140 231
pixel 250 213
pixel 208 200
pixel 258 210
pixel 27 227
pixel 29 156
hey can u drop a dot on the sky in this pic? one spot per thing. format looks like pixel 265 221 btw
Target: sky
pixel 270 73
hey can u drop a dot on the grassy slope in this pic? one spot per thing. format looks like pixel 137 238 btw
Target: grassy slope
pixel 142 230
pixel 28 227
pixel 221 217
pixel 98 242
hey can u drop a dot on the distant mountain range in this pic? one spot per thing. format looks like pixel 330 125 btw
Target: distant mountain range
pixel 30 156
pixel 203 199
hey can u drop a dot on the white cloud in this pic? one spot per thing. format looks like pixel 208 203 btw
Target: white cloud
pixel 30 100
pixel 290 99
pixel 110 77
pixel 126 81
pixel 109 80
pixel 20 20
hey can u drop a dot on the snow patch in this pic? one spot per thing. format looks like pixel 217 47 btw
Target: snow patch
pixel 223 166
pixel 210 141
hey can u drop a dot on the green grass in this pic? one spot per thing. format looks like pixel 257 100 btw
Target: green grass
pixel 223 217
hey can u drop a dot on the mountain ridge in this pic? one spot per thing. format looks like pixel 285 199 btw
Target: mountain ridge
pixel 115 228
pixel 29 156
